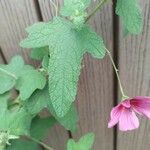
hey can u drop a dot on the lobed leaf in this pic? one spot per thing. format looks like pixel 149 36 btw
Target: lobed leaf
pixel 40 100
pixel 23 77
pixel 74 7
pixel 85 143
pixel 15 122
pixel 131 16
pixel 67 46
pixel 40 127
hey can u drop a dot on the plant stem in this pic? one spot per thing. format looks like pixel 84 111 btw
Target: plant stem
pixel 8 73
pixel 55 6
pixel 41 143
pixel 118 78
pixel 99 5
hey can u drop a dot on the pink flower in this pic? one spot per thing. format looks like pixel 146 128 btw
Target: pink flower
pixel 125 113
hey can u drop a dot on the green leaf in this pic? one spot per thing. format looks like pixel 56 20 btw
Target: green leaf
pixel 131 16
pixel 40 100
pixel 74 7
pixel 45 62
pixel 15 122
pixel 76 10
pixel 67 46
pixel 6 82
pixel 24 77
pixel 85 143
pixel 9 74
pixel 22 145
pixel 40 127
pixel 38 35
pixel 29 81
pixel 39 53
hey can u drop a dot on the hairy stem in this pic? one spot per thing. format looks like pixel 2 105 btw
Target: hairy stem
pixel 117 74
pixel 99 5
pixel 8 73
pixel 41 143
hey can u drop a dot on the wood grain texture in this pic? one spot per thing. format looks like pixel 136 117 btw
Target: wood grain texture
pixel 95 94
pixel 1 59
pixel 15 16
pixel 47 9
pixel 135 73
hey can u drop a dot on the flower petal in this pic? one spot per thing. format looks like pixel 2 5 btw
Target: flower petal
pixel 128 120
pixel 141 105
pixel 114 116
pixel 126 103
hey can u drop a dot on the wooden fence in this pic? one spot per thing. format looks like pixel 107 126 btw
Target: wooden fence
pixel 98 90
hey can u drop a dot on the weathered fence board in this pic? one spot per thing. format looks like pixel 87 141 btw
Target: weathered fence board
pixel 1 59
pixel 15 16
pixel 95 94
pixel 135 72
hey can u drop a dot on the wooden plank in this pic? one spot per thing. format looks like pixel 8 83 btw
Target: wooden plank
pixel 135 73
pixel 15 16
pixel 95 94
pixel 1 59
pixel 47 9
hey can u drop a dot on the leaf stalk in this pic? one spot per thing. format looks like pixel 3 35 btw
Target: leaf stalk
pixel 41 143
pixel 99 5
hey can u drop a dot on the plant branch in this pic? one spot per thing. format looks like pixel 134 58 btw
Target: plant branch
pixel 41 143
pixel 8 73
pixel 99 5
pixel 117 74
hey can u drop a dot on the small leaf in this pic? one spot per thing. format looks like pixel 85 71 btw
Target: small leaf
pixel 45 62
pixel 40 127
pixel 40 100
pixel 131 16
pixel 22 145
pixel 6 82
pixel 29 81
pixel 85 143
pixel 39 53
pixel 24 77
pixel 15 122
pixel 9 74
pixel 74 7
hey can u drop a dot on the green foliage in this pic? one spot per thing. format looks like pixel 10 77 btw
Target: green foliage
pixel 40 127
pixel 65 59
pixel 131 16
pixel 22 145
pixel 39 53
pixel 74 7
pixel 85 143
pixel 24 77
pixel 76 10
pixel 40 100
pixel 15 122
